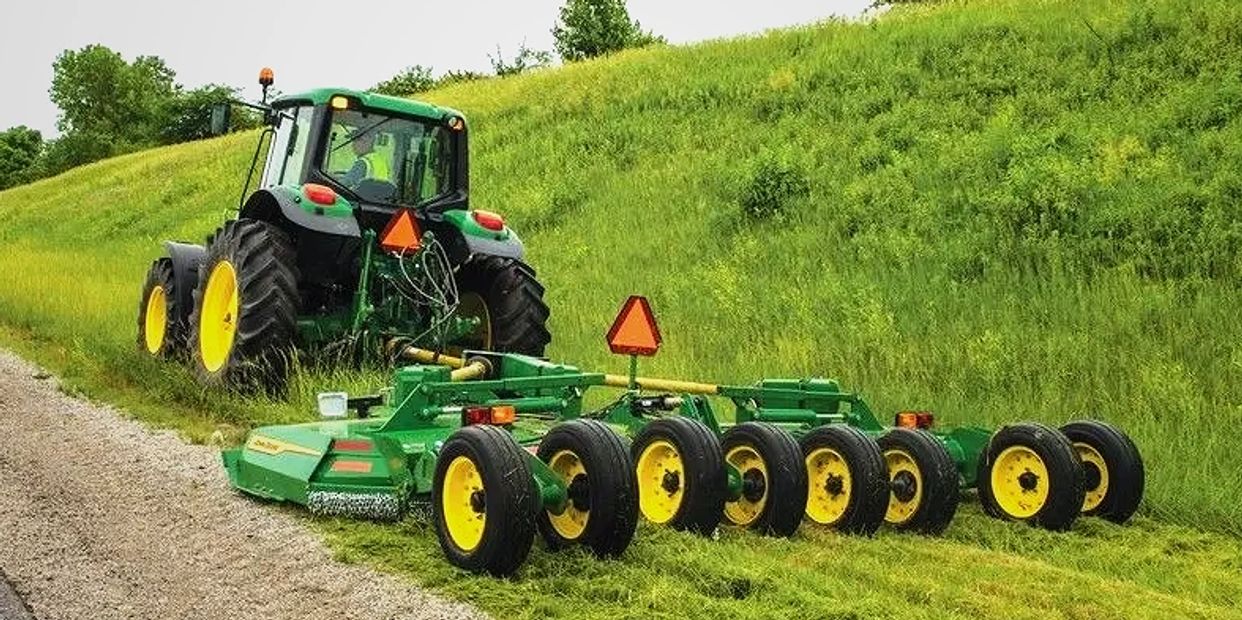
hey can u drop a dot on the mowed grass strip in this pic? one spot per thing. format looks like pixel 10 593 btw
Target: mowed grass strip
pixel 983 208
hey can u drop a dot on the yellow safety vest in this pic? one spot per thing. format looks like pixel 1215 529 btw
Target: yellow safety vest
pixel 377 166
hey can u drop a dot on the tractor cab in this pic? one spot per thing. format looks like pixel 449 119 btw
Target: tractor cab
pixel 379 153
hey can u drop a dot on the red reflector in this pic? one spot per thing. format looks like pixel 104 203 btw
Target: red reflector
pixel 319 194
pixel 489 220
pixel 353 445
pixel 925 419
pixel 476 415
pixel 355 467
pixel 401 235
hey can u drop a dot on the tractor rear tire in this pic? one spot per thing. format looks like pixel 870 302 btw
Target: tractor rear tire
pixel 484 501
pixel 681 476
pixel 515 315
pixel 1113 467
pixel 161 321
pixel 847 479
pixel 1030 472
pixel 244 322
pixel 774 486
pixel 923 481
pixel 602 512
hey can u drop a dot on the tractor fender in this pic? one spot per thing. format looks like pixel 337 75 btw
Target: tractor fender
pixel 186 258
pixel 286 207
pixel 479 241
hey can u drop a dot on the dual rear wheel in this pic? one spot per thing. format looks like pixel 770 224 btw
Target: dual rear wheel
pixel 487 505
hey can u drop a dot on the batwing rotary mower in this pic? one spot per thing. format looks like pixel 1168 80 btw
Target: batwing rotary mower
pixel 500 444
pixel 358 235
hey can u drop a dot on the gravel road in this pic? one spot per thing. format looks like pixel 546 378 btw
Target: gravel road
pixel 102 518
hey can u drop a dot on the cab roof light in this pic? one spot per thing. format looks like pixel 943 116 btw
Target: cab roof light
pixel 340 103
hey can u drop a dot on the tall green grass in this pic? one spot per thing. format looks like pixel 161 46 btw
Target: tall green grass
pixel 999 210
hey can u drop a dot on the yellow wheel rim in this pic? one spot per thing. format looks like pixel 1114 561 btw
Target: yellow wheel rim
pixel 463 501
pixel 747 508
pixel 155 323
pixel 829 484
pixel 571 523
pixel 472 305
pixel 661 482
pixel 218 317
pixel 1019 482
pixel 906 480
pixel 1095 495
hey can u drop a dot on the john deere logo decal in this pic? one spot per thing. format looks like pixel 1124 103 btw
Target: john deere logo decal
pixel 267 445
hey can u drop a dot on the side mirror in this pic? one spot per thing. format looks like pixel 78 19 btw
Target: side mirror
pixel 220 113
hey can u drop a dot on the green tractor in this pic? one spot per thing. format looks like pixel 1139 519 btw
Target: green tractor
pixel 359 237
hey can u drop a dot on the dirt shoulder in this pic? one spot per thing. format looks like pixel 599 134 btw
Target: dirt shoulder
pixel 103 518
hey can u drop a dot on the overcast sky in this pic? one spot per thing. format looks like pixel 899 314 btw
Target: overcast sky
pixel 311 43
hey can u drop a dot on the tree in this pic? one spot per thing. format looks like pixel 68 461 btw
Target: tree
pixel 525 59
pixel 415 79
pixel 590 28
pixel 20 147
pixel 188 115
pixel 98 92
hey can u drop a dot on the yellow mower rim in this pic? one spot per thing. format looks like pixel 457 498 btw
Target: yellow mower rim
pixel 218 316
pixel 155 320
pixel 464 523
pixel 1011 496
pixel 822 506
pixel 899 461
pixel 743 511
pixel 572 522
pixel 657 504
pixel 1094 496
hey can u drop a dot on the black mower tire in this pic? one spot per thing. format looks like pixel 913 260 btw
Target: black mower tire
pixel 866 494
pixel 923 481
pixel 264 263
pixel 603 497
pixel 513 298
pixel 773 499
pixel 1122 477
pixel 509 497
pixel 1062 476
pixel 703 488
pixel 160 294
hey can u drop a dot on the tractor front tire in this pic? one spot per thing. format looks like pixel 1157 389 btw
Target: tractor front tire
pixel 504 294
pixel 774 488
pixel 681 475
pixel 244 322
pixel 602 511
pixel 484 501
pixel 161 321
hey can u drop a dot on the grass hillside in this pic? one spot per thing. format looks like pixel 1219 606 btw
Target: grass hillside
pixel 998 210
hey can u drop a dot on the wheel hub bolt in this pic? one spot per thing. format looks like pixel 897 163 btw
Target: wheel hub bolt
pixel 753 485
pixel 478 502
pixel 1028 481
pixel 1094 477
pixel 834 485
pixel 671 482
pixel 904 486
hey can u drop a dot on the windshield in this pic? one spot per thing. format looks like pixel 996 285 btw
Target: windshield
pixel 388 159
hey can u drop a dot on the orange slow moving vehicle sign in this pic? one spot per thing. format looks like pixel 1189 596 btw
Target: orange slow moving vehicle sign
pixel 401 234
pixel 635 331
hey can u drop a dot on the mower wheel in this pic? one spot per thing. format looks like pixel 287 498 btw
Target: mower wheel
pixel 602 512
pixel 245 307
pixel 681 475
pixel 1031 472
pixel 846 478
pixel 507 299
pixel 484 501
pixel 1112 466
pixel 923 481
pixel 774 487
pixel 161 320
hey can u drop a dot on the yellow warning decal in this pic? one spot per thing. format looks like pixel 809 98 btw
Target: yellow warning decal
pixel 267 445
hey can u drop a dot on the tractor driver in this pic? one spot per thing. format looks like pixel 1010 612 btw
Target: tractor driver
pixel 369 165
